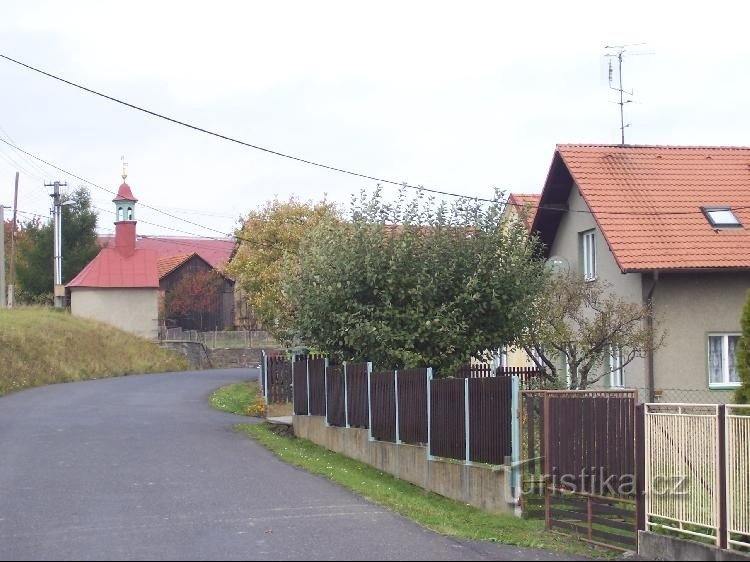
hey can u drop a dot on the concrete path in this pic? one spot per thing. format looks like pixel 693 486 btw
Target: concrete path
pixel 141 467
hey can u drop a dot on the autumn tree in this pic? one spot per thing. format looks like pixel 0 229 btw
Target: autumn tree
pixel 269 242
pixel 575 326
pixel 414 282
pixel 194 296
pixel 34 274
pixel 742 395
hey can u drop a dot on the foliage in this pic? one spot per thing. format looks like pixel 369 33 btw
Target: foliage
pixel 435 512
pixel 742 396
pixel 34 272
pixel 269 240
pixel 414 283
pixel 578 323
pixel 40 346
pixel 194 295
pixel 256 409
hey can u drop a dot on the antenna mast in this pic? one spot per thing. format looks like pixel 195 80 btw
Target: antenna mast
pixel 617 51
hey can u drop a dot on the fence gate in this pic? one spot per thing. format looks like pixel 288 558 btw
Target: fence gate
pixel 580 451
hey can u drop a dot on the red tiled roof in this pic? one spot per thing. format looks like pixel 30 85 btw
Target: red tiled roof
pixel 525 204
pixel 647 202
pixel 124 194
pixel 168 265
pixel 113 269
pixel 216 252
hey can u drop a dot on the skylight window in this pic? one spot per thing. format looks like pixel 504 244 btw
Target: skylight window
pixel 721 217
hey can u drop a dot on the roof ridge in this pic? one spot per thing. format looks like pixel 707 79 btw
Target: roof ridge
pixel 659 146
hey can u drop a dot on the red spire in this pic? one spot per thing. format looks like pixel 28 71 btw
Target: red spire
pixel 125 194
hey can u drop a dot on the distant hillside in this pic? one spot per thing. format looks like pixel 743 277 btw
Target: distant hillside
pixel 41 346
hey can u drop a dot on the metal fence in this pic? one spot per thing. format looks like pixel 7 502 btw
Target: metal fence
pixel 697 478
pixel 221 339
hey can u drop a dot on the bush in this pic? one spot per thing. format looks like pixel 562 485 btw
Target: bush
pixel 257 408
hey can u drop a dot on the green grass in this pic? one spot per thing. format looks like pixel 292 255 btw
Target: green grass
pixel 41 346
pixel 435 512
pixel 234 397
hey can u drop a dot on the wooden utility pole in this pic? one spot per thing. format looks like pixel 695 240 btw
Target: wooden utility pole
pixel 12 284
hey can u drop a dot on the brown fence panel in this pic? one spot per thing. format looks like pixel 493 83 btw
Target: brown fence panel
pixel 382 394
pixel 412 405
pixel 356 389
pixel 335 389
pixel 317 387
pixel 531 377
pixel 447 419
pixel 299 378
pixel 490 411
pixel 474 371
pixel 279 380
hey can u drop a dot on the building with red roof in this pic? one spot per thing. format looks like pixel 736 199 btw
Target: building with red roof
pixel 668 227
pixel 522 206
pixel 120 285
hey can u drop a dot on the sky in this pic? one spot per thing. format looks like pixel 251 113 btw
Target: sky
pixel 463 97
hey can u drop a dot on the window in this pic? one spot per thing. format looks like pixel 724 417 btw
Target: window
pixel 588 255
pixel 721 217
pixel 616 378
pixel 130 213
pixel 722 367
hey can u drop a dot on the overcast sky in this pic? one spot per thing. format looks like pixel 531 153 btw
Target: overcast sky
pixel 459 96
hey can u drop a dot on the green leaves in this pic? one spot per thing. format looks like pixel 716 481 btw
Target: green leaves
pixel 414 282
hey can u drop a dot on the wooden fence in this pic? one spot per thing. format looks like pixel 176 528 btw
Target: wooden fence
pixel 584 448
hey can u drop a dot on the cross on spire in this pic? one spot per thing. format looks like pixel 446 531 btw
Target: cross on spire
pixel 124 168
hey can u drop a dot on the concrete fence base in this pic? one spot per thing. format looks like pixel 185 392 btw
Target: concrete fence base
pixel 661 547
pixel 484 487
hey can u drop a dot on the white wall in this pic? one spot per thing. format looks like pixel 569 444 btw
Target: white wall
pixel 133 310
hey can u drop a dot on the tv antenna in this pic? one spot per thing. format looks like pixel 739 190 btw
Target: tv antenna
pixel 618 52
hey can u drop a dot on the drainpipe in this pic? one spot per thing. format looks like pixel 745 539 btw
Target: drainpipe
pixel 650 324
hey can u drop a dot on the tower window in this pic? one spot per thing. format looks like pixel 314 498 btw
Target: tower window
pixel 130 213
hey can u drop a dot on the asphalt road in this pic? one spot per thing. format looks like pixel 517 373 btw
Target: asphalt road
pixel 140 467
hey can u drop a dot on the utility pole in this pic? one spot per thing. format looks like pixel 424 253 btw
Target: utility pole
pixel 57 253
pixel 12 284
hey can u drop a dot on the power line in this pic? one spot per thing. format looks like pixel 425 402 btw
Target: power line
pixel 238 141
pixel 84 180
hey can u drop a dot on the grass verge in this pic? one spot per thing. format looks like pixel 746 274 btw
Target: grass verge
pixel 438 513
pixel 42 346
pixel 234 398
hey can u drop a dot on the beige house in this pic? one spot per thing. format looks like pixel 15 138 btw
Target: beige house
pixel 120 286
pixel 668 227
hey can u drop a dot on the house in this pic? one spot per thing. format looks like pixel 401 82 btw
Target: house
pixel 120 286
pixel 519 206
pixel 668 227
pixel 188 271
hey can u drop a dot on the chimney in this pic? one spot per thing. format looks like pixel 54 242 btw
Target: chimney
pixel 125 237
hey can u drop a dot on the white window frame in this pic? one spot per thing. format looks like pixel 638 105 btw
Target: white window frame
pixel 588 249
pixel 725 383
pixel 616 370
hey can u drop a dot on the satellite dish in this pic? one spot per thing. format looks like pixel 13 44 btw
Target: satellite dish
pixel 558 264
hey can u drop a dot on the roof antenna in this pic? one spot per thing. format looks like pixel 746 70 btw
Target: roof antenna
pixel 617 51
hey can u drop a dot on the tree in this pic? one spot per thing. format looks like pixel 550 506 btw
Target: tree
pixel 269 242
pixel 414 283
pixel 194 295
pixel 580 324
pixel 35 249
pixel 742 396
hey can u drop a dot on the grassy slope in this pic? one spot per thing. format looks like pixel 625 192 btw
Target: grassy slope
pixel 435 512
pixel 234 397
pixel 42 346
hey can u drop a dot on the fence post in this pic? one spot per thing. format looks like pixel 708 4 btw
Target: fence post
pixel 515 430
pixel 640 468
pixel 265 376
pixel 467 433
pixel 325 383
pixel 307 374
pixel 546 464
pixel 395 391
pixel 429 414
pixel 369 401
pixel 721 413
pixel 346 399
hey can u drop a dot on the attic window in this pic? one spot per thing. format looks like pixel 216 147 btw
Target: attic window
pixel 721 217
